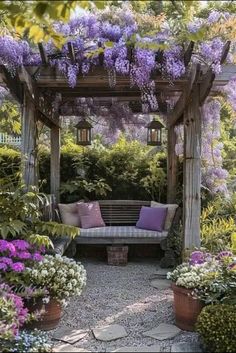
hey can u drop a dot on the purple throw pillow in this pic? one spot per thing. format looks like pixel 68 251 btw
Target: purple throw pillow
pixel 151 218
pixel 90 215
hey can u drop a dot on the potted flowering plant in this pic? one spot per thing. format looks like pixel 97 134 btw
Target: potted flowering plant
pixel 204 279
pixel 13 315
pixel 61 278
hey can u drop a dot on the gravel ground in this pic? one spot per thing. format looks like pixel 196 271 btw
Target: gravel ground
pixel 122 295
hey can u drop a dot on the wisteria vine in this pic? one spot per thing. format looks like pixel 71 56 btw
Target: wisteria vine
pixel 114 36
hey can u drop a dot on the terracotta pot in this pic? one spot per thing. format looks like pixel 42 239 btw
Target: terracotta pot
pixel 51 316
pixel 186 308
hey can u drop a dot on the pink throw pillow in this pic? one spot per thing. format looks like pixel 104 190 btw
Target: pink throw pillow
pixel 90 215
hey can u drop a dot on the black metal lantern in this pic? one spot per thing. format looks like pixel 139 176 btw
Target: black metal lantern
pixel 154 133
pixel 83 136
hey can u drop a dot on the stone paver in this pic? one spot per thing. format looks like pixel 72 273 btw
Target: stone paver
pixel 163 332
pixel 68 348
pixel 151 349
pixel 160 284
pixel 191 347
pixel 109 333
pixel 68 335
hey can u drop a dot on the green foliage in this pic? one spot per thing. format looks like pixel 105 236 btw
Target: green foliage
pixel 9 166
pixel 20 214
pixel 125 170
pixel 216 325
pixel 154 182
pixel 35 18
pixel 10 117
pixel 217 224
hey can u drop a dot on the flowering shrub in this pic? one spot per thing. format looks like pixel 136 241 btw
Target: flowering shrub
pixel 61 276
pixel 35 341
pixel 15 256
pixel 12 313
pixel 212 278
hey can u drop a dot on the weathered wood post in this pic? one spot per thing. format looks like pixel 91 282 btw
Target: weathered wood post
pixel 192 171
pixel 172 167
pixel 29 142
pixel 55 161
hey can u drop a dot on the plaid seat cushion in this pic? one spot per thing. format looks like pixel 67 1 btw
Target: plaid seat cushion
pixel 121 232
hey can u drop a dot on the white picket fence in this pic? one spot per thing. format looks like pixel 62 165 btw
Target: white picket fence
pixel 6 139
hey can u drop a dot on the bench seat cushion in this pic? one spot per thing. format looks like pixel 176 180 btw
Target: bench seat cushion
pixel 121 232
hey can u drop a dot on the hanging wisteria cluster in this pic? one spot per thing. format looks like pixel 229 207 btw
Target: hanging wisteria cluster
pixel 214 176
pixel 112 38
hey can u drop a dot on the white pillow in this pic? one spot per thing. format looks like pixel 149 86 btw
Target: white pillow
pixel 170 213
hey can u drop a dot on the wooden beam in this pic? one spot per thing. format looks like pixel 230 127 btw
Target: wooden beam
pixel 192 172
pixel 30 84
pixel 188 54
pixel 43 54
pixel 29 142
pixel 71 51
pixel 45 110
pixel 209 77
pixel 172 167
pixel 55 162
pixel 176 114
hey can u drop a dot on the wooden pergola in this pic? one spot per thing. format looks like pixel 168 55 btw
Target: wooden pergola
pixel 37 90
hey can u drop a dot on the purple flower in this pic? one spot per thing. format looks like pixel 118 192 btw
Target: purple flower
pixel 24 255
pixel 197 258
pixel 37 257
pixel 21 244
pixel 3 266
pixel 18 267
pixel 224 254
pixel 6 260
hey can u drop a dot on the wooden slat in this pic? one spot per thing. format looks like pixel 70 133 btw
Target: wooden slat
pixel 43 54
pixel 121 211
pixel 71 51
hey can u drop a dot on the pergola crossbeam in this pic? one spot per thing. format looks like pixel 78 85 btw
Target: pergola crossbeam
pixel 177 113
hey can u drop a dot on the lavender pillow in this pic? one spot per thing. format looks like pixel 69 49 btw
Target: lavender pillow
pixel 90 215
pixel 152 218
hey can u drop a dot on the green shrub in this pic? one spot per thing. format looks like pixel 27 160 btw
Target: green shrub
pixel 10 160
pixel 218 223
pixel 217 327
pixel 125 170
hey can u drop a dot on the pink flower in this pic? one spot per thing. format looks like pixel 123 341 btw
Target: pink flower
pixel 37 257
pixel 24 255
pixel 6 260
pixel 3 266
pixel 21 244
pixel 18 267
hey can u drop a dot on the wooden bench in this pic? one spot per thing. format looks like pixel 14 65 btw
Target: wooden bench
pixel 120 217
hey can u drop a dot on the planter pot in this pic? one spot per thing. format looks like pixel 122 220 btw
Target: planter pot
pixel 49 319
pixel 186 308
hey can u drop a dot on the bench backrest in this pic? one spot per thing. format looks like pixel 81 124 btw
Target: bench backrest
pixel 121 212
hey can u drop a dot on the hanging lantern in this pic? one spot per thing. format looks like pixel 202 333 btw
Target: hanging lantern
pixel 154 133
pixel 83 136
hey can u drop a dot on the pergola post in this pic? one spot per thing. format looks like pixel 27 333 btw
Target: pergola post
pixel 192 171
pixel 29 142
pixel 55 161
pixel 172 167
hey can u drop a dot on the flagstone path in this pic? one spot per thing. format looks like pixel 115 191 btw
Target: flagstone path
pixel 123 309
